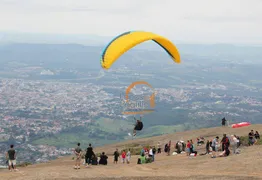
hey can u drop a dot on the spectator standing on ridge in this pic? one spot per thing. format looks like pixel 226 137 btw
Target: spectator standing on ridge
pixel 225 142
pixel 151 154
pixel 166 148
pixel 188 146
pixel 116 155
pixel 207 147
pixel 154 153
pixel 214 143
pixel 89 154
pixel 78 154
pixel 11 156
pixel 158 147
pixel 169 148
pixel 123 156
pixel 128 156
pixel 234 143
pixel 224 121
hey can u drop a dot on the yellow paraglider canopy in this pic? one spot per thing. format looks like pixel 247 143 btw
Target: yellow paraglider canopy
pixel 128 40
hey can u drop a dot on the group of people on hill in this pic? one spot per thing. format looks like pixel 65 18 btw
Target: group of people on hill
pixel 253 137
pixel 126 157
pixel 148 155
pixel 190 148
pixel 215 148
pixel 212 146
pixel 225 142
pixel 90 157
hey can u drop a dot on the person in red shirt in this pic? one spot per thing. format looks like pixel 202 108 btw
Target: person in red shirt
pixel 146 150
pixel 225 142
pixel 123 156
pixel 188 146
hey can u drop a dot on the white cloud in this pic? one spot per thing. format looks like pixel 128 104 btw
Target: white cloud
pixel 188 20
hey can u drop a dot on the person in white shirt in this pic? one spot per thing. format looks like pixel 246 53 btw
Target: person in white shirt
pixel 214 146
pixel 128 157
pixel 151 154
pixel 235 141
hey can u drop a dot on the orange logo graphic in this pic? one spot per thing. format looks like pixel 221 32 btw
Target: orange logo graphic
pixel 139 104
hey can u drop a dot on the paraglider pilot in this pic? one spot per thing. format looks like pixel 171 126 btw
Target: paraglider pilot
pixel 224 121
pixel 138 126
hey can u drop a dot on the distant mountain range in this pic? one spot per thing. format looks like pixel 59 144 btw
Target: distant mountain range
pixel 84 39
pixel 13 37
pixel 76 53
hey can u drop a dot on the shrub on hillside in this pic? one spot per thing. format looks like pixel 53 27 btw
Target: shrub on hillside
pixel 135 150
pixel 24 164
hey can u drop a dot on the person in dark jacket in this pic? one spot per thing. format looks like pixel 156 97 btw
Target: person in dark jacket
pixel 103 159
pixel 224 121
pixel 239 142
pixel 225 142
pixel 257 135
pixel 116 156
pixel 207 147
pixel 89 154
pixel 138 126
pixel 178 147
pixel 94 160
pixel 11 156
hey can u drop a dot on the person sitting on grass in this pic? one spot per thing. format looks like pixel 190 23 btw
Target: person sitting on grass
pixel 225 153
pixel 257 135
pixel 192 148
pixel 94 160
pixel 103 159
pixel 141 159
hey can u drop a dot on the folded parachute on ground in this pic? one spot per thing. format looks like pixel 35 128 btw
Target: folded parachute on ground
pixel 242 124
pixel 128 40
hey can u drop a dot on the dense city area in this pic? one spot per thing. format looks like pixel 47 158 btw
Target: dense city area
pixel 33 109
pixel 51 101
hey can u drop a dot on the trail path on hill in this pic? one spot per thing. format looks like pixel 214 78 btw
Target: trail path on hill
pixel 246 165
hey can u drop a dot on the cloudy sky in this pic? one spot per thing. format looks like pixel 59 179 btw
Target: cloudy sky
pixel 205 21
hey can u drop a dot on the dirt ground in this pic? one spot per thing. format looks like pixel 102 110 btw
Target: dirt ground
pixel 246 165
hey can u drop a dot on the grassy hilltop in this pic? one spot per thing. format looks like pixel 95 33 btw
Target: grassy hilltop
pixel 245 165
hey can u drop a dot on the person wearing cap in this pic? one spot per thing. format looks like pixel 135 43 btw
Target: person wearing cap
pixel 214 143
